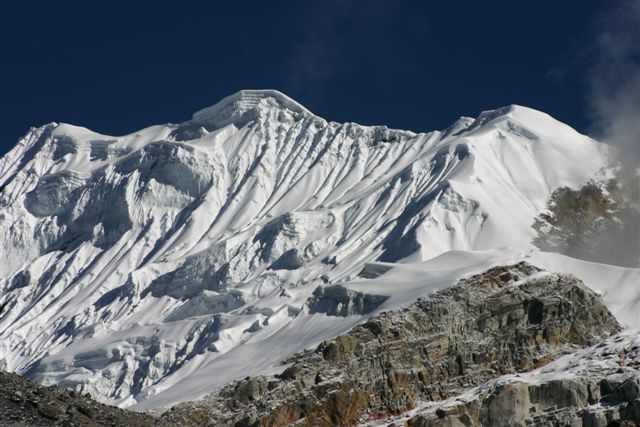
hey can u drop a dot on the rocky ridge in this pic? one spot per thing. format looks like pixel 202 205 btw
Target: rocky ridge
pixel 598 386
pixel 506 320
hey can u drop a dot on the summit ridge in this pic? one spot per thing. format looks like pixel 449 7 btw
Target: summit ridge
pixel 238 104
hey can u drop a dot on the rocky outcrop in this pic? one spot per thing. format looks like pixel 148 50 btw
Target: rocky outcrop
pixel 579 393
pixel 27 404
pixel 506 320
pixel 337 300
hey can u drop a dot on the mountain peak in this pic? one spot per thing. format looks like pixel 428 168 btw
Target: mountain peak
pixel 190 256
pixel 236 106
pixel 526 121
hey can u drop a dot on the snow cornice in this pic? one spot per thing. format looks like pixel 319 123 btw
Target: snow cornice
pixel 238 104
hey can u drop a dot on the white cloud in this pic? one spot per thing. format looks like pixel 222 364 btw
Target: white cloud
pixel 615 79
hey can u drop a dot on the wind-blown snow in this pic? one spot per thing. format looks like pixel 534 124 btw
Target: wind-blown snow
pixel 154 267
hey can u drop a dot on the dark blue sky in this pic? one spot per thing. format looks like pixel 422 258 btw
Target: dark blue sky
pixel 116 66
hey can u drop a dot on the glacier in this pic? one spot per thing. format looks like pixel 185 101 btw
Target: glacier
pixel 155 267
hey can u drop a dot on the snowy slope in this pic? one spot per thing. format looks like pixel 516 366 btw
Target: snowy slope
pixel 154 267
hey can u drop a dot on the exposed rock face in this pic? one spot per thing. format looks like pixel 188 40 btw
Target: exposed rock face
pixel 596 387
pixel 339 301
pixel 506 320
pixel 26 403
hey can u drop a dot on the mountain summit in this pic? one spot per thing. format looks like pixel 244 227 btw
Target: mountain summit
pixel 234 107
pixel 156 267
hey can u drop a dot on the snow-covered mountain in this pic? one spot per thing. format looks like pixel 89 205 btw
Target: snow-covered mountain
pixel 155 267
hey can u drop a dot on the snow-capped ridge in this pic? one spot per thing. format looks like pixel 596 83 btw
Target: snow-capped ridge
pixel 459 126
pixel 236 106
pixel 524 121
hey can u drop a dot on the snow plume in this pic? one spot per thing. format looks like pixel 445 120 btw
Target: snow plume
pixel 615 102
pixel 615 80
